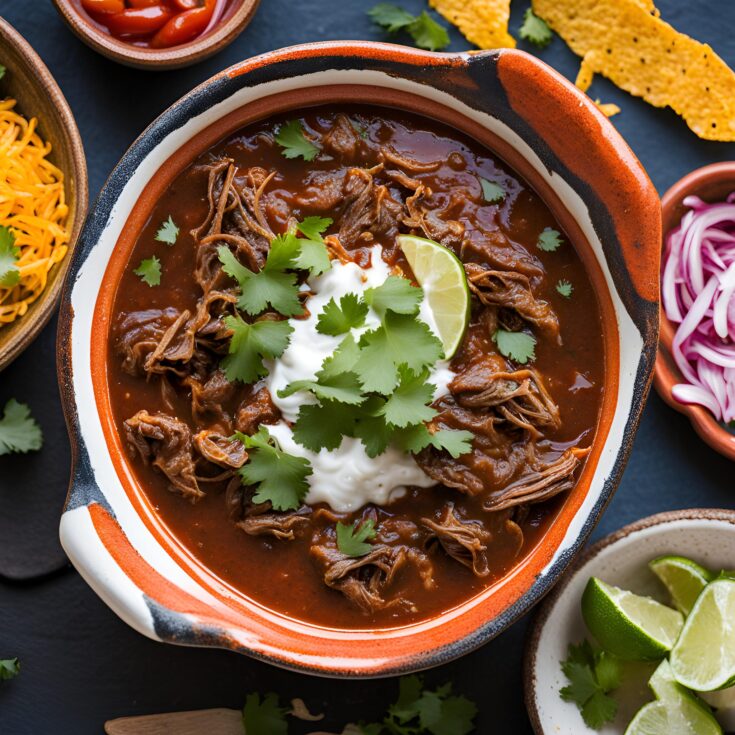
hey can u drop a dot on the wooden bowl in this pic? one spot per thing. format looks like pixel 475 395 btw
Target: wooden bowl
pixel 711 183
pixel 29 81
pixel 234 21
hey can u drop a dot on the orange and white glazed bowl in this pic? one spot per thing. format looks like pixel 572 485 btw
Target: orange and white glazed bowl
pixel 554 137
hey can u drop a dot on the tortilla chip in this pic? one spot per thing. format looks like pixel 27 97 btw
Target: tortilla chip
pixel 637 51
pixel 608 109
pixel 584 75
pixel 482 22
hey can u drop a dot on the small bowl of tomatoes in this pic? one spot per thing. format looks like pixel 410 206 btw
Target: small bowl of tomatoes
pixel 157 34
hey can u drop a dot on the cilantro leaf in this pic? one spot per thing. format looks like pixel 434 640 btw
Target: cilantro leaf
pixel 280 477
pixel 168 232
pixel 9 254
pixel 565 288
pixel 19 431
pixel 314 257
pixel 373 431
pixel 351 540
pixel 9 667
pixel 2 71
pixel 314 227
pixel 391 17
pixel 598 710
pixel 341 387
pixel 395 294
pixel 415 438
pixel 323 425
pixel 518 346
pixel 291 138
pixel 423 29
pixel 335 319
pixel 264 717
pixel 492 191
pixel 251 343
pixel 535 30
pixel 342 360
pixel 408 403
pixel 549 240
pixel 149 271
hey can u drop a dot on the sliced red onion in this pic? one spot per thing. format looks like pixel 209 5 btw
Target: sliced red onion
pixel 698 296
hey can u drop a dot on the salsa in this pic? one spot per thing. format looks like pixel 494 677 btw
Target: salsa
pixel 193 429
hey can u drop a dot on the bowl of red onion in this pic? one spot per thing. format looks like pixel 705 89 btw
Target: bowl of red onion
pixel 695 367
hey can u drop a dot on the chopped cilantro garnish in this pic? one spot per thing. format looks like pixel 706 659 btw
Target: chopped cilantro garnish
pixel 264 717
pixel 549 240
pixel 291 138
pixel 342 387
pixel 9 254
pixel 149 271
pixel 564 288
pixel 592 676
pixel 314 227
pixel 9 667
pixel 408 403
pixel 518 346
pixel 423 29
pixel 339 319
pixel 415 438
pixel 19 431
pixel 351 540
pixel 395 294
pixel 280 477
pixel 535 30
pixel 492 191
pixel 168 232
pixel 251 343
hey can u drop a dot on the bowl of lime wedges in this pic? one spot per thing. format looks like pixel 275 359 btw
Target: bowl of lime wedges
pixel 639 638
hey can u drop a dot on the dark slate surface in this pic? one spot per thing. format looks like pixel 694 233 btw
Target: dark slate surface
pixel 81 665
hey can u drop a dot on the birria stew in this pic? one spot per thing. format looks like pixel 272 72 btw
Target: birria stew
pixel 293 403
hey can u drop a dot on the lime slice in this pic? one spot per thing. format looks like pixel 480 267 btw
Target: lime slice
pixel 683 578
pixel 441 275
pixel 632 627
pixel 676 711
pixel 703 658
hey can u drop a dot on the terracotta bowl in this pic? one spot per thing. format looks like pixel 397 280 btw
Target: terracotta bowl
pixel 712 183
pixel 575 160
pixel 29 81
pixel 620 559
pixel 235 20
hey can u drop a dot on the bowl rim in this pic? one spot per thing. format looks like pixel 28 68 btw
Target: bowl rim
pixel 543 612
pixel 173 57
pixel 666 373
pixel 76 180
pixel 341 55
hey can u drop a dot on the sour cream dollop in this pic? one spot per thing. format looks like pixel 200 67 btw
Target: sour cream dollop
pixel 344 478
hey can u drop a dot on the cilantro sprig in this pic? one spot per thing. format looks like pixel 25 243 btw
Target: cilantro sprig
pixel 149 271
pixel 294 143
pixel 9 254
pixel 535 30
pixel 19 431
pixel 250 344
pixel 423 29
pixel 264 715
pixel 352 540
pixel 592 675
pixel 337 319
pixel 9 668
pixel 168 232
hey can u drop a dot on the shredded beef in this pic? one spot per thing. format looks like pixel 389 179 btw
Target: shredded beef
pixel 220 450
pixel 283 526
pixel 256 409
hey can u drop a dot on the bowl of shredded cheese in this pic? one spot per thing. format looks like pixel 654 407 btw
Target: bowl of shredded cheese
pixel 43 192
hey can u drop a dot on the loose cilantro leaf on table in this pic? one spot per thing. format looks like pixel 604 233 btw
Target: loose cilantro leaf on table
pixel 351 540
pixel 423 29
pixel 396 294
pixel 492 191
pixel 149 271
pixel 565 288
pixel 549 240
pixel 168 232
pixel 407 404
pixel 295 144
pixel 314 227
pixel 280 477
pixel 535 30
pixel 342 387
pixel 338 319
pixel 9 254
pixel 518 346
pixel 264 717
pixel 592 675
pixel 250 344
pixel 19 431
pixel 9 667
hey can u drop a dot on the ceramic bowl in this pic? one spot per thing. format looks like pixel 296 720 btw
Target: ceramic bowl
pixel 713 184
pixel 236 18
pixel 29 82
pixel 575 160
pixel 621 559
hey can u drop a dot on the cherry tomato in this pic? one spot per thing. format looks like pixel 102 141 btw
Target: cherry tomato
pixel 183 27
pixel 103 7
pixel 138 21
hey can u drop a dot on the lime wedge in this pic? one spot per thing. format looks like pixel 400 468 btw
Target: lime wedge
pixel 632 627
pixel 676 712
pixel 703 658
pixel 441 275
pixel 683 578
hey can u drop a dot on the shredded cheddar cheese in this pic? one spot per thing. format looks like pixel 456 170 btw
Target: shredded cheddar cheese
pixel 32 206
